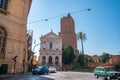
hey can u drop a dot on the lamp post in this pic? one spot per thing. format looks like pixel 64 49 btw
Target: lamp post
pixel 14 59
pixel 24 61
pixel 32 55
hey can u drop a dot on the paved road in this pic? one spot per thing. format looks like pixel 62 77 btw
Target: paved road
pixel 72 76
pixel 52 76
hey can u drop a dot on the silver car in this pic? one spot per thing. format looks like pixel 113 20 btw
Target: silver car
pixel 52 69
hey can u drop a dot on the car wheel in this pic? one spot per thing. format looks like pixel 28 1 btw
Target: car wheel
pixel 96 76
pixel 47 72
pixel 33 73
pixel 41 72
pixel 108 78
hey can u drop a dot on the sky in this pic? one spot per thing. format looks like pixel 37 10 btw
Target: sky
pixel 101 24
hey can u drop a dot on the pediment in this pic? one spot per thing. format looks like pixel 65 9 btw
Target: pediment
pixel 50 35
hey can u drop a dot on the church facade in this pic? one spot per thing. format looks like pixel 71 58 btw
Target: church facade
pixel 51 50
pixel 13 42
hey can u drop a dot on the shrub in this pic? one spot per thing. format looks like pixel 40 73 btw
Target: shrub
pixel 117 67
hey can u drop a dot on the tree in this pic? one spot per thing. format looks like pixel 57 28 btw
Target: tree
pixel 87 60
pixel 105 57
pixel 68 55
pixel 81 36
pixel 80 59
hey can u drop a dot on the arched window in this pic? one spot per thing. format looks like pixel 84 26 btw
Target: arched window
pixel 56 60
pixel 50 59
pixel 43 60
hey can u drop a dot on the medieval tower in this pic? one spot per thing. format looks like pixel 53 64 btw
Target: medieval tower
pixel 68 33
pixel 13 35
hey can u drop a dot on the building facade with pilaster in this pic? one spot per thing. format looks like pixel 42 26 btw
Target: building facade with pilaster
pixel 13 35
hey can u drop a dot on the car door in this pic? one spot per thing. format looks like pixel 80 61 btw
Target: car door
pixel 102 72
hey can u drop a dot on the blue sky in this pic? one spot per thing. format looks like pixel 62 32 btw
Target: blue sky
pixel 101 24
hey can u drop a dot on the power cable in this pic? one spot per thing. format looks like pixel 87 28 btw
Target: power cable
pixel 88 9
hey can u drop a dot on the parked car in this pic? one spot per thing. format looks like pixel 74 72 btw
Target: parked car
pixel 52 69
pixel 107 73
pixel 40 70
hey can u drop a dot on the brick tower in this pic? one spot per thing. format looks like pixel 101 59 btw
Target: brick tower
pixel 68 33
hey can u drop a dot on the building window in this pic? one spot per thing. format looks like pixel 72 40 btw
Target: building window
pixel 43 60
pixel 50 60
pixel 56 60
pixel 2 41
pixel 44 48
pixel 4 4
pixel 51 45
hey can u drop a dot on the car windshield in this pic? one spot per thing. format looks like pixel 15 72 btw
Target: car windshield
pixel 52 67
pixel 39 67
pixel 109 68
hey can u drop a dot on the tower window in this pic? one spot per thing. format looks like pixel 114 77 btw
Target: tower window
pixel 4 4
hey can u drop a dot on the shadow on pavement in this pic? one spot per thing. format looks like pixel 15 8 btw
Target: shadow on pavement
pixel 28 76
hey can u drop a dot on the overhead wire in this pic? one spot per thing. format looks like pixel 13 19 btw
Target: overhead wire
pixel 88 9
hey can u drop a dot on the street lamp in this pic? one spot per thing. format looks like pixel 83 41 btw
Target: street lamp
pixel 24 61
pixel 14 59
pixel 32 55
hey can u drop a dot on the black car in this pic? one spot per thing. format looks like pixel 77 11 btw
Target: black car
pixel 40 70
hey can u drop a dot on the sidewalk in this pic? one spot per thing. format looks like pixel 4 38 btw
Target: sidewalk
pixel 16 74
pixel 6 75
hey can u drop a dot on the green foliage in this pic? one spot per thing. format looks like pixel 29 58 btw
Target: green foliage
pixel 80 68
pixel 117 67
pixel 105 57
pixel 77 67
pixel 88 59
pixel 81 36
pixel 81 59
pixel 68 55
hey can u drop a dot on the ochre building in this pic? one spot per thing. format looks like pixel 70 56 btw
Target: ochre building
pixel 114 59
pixel 13 35
pixel 68 33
